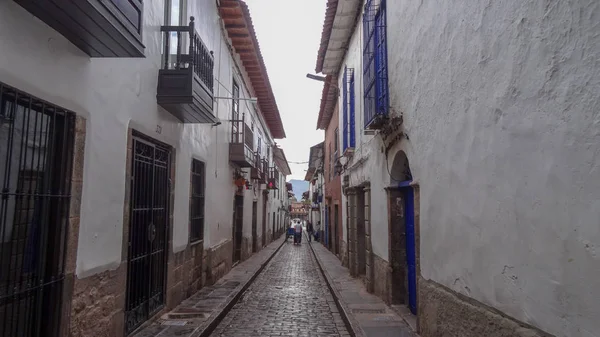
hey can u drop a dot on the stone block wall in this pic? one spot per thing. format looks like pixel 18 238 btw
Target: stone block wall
pixel 443 312
pixel 382 275
pixel 344 253
pixel 246 248
pixel 184 276
pixel 97 304
pixel 219 261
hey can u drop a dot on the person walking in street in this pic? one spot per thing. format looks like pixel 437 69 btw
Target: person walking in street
pixel 309 230
pixel 298 233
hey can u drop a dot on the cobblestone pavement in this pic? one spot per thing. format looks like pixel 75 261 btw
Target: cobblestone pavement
pixel 289 298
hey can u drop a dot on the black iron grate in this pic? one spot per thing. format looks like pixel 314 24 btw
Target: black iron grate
pixel 197 201
pixel 148 228
pixel 36 144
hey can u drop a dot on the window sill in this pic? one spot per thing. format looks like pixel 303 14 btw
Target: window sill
pixel 348 152
pixel 196 242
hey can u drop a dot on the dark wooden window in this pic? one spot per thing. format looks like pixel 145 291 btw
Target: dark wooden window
pixel 197 201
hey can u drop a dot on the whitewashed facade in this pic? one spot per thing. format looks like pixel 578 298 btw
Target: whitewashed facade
pixel 499 112
pixel 111 98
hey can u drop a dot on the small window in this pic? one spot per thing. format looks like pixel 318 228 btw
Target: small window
pixel 197 201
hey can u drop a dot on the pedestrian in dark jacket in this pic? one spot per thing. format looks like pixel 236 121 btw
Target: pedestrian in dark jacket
pixel 310 230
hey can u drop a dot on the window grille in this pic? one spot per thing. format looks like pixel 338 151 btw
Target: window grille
pixel 36 150
pixel 197 201
pixel 375 70
pixel 348 136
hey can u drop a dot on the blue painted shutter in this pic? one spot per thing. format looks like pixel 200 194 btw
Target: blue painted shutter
pixel 352 114
pixel 381 84
pixel 345 113
pixel 369 62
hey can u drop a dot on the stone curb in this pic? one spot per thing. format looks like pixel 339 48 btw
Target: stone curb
pixel 351 324
pixel 223 309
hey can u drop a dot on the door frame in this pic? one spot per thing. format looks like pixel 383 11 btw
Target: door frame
pixel 237 242
pixel 264 218
pixel 411 272
pixel 254 226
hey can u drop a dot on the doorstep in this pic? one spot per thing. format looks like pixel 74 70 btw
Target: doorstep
pixel 201 313
pixel 367 314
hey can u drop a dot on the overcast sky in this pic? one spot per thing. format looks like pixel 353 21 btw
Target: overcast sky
pixel 289 33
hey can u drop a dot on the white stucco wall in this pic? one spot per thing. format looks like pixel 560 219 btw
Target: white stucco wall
pixel 368 163
pixel 113 95
pixel 500 102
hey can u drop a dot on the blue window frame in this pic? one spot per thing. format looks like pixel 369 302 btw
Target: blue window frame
pixel 352 112
pixel 345 111
pixel 348 137
pixel 375 69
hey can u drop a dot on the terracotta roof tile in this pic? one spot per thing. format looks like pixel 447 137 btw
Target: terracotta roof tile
pixel 326 34
pixel 239 26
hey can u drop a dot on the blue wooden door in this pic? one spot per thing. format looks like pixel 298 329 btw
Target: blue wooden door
pixel 411 250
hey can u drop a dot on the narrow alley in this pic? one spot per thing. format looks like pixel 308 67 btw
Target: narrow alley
pixel 156 154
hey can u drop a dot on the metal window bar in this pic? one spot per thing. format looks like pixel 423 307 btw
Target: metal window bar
pixel 345 111
pixel 36 147
pixel 198 56
pixel 197 201
pixel 349 108
pixel 352 110
pixel 374 60
pixel 381 84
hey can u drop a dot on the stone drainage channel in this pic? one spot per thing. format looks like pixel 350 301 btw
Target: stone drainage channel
pixel 201 314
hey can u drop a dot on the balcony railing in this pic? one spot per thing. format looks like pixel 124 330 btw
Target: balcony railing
pixel 273 178
pixel 242 143
pixel 256 171
pixel 265 170
pixel 185 81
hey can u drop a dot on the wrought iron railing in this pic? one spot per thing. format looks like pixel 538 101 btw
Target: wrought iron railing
pixel 177 39
pixel 265 166
pixel 258 163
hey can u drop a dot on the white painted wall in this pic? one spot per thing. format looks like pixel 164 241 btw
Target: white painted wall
pixel 500 101
pixel 113 95
pixel 367 151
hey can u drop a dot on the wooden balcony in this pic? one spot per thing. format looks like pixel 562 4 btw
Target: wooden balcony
pixel 256 171
pixel 100 28
pixel 273 182
pixel 185 82
pixel 265 171
pixel 241 145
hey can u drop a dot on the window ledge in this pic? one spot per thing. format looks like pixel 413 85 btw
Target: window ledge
pixel 197 242
pixel 348 152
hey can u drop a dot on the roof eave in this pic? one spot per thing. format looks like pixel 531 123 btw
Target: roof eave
pixel 236 10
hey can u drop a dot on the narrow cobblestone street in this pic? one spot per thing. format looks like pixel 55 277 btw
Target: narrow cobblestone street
pixel 289 298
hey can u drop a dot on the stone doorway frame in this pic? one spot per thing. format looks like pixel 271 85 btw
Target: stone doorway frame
pixel 360 250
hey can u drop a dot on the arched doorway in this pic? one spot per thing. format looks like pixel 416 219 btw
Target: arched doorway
pixel 402 241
